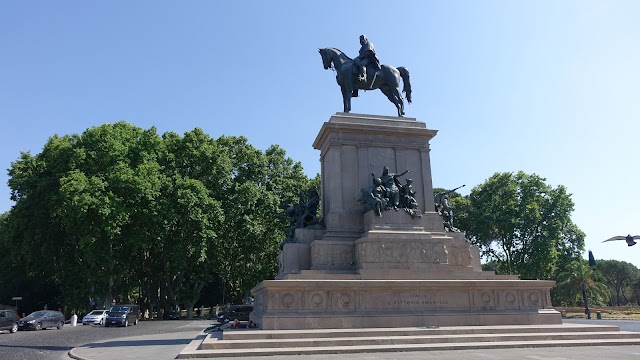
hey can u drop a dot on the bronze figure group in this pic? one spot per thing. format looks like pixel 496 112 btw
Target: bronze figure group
pixel 389 193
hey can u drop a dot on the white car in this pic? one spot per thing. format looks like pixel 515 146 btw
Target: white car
pixel 96 317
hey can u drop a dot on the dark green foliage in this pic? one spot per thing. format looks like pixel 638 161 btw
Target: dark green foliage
pixel 122 213
pixel 520 223
pixel 570 281
pixel 523 227
pixel 621 277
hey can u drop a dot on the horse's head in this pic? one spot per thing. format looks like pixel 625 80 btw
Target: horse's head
pixel 326 58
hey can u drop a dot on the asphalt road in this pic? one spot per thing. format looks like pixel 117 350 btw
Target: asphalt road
pixel 54 344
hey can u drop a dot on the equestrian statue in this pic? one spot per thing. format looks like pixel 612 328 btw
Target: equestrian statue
pixel 365 72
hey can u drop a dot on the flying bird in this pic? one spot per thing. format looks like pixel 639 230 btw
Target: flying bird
pixel 629 239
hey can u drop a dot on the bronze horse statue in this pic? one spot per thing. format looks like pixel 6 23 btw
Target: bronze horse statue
pixel 387 79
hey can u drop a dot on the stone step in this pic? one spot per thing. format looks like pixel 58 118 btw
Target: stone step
pixel 250 334
pixel 250 342
pixel 413 340
pixel 320 276
pixel 248 353
pixel 403 274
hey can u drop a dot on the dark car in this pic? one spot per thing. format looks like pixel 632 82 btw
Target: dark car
pixel 123 315
pixel 9 320
pixel 42 319
pixel 171 315
pixel 240 312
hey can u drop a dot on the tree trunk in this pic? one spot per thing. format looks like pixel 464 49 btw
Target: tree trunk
pixel 190 309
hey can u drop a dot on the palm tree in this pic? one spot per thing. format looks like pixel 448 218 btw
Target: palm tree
pixel 569 285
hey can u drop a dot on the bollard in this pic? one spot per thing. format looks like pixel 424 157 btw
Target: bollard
pixel 599 315
pixel 74 320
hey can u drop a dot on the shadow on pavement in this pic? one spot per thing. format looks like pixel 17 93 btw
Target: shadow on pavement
pixel 132 343
pixel 35 347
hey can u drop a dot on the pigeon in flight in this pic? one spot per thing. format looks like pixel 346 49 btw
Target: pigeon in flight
pixel 629 239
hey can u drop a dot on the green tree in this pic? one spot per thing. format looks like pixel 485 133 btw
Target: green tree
pixel 620 276
pixel 568 289
pixel 119 212
pixel 259 185
pixel 519 222
pixel 189 216
pixel 635 292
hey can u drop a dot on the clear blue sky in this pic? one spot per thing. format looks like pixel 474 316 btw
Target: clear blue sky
pixel 547 87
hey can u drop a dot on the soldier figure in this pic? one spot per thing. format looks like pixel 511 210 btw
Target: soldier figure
pixel 408 195
pixel 447 213
pixel 392 187
pixel 443 208
pixel 367 55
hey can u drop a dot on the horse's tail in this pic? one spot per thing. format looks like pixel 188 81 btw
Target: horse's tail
pixel 404 73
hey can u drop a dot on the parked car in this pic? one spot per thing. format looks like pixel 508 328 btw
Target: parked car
pixel 171 315
pixel 41 319
pixel 240 312
pixel 9 320
pixel 96 317
pixel 123 315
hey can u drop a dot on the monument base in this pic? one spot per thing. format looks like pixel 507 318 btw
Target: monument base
pixel 339 304
pixel 400 269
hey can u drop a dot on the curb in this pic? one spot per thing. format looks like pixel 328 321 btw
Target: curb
pixel 74 356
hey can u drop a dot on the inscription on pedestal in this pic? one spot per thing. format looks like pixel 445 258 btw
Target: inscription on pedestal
pixel 417 299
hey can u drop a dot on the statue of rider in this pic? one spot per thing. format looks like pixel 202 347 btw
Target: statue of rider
pixel 366 56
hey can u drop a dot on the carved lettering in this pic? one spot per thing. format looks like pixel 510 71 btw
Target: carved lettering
pixel 417 299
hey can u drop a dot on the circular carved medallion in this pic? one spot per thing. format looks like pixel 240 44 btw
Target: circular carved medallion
pixel 317 300
pixel 510 298
pixel 534 299
pixel 345 299
pixel 287 300
pixel 486 298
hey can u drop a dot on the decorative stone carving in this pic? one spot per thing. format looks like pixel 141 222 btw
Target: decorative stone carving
pixel 410 252
pixel 459 255
pixel 332 255
pixel 288 300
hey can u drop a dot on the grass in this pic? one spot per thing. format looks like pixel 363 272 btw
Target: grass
pixel 618 313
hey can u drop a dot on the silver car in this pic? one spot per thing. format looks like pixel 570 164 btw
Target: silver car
pixel 96 317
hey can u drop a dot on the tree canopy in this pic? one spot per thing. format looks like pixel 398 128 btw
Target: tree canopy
pixel 620 276
pixel 120 212
pixel 520 223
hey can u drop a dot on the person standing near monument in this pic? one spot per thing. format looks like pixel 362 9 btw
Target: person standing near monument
pixel 366 56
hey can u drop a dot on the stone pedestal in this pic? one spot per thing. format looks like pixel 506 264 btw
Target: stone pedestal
pixel 362 270
pixel 321 304
pixel 296 256
pixel 352 147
